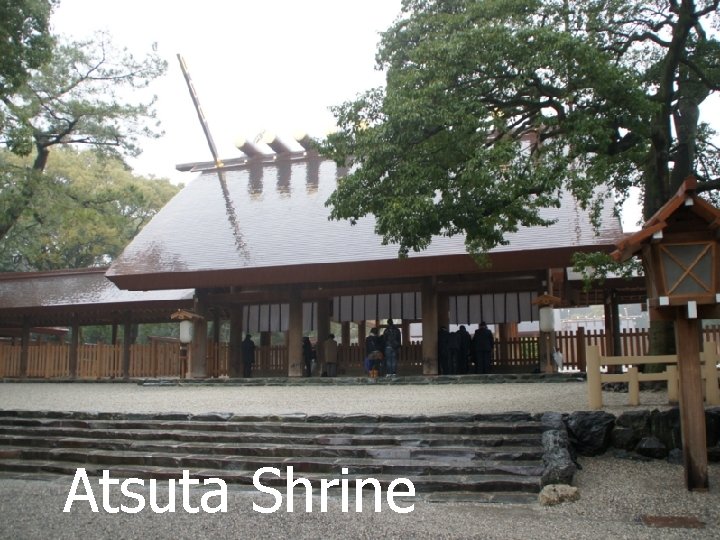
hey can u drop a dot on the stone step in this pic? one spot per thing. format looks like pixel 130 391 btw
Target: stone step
pixel 325 428
pixel 464 483
pixel 507 417
pixel 424 440
pixel 454 453
pixel 213 447
pixel 438 465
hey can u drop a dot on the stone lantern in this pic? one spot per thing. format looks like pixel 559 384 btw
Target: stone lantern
pixel 679 249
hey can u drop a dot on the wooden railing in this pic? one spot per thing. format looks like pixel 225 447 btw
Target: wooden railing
pixel 162 358
pixel 632 376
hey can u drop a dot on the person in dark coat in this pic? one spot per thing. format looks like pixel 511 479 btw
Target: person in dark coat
pixel 307 352
pixel 453 353
pixel 248 356
pixel 465 343
pixel 483 343
pixel 443 351
pixel 393 340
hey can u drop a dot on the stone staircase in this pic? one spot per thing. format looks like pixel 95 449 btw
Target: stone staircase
pixel 497 457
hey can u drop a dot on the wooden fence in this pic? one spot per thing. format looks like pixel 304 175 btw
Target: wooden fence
pixel 162 358
pixel 631 374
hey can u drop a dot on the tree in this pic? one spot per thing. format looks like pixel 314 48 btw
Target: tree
pixel 89 94
pixel 25 41
pixel 492 108
pixel 85 209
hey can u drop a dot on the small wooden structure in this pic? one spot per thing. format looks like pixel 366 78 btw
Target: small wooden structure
pixel 679 248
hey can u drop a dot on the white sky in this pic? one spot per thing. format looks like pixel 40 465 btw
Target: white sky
pixel 256 65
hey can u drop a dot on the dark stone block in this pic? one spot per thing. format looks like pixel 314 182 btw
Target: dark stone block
pixel 651 447
pixel 638 421
pixel 590 431
pixel 625 438
pixel 665 425
pixel 559 467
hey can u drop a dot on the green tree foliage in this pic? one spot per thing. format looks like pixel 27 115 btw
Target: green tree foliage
pixel 493 108
pixel 84 210
pixel 89 94
pixel 25 41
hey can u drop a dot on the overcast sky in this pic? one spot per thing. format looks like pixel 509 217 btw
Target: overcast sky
pixel 256 65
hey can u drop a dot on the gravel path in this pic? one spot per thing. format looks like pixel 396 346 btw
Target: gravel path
pixel 386 399
pixel 614 492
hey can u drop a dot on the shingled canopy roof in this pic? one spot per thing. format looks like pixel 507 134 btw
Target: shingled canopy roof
pixel 686 196
pixel 273 228
pixel 83 296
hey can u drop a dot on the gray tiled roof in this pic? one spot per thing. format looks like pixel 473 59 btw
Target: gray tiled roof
pixel 276 216
pixel 74 288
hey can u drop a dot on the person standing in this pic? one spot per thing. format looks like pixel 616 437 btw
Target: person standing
pixel 307 352
pixel 248 355
pixel 373 353
pixel 465 344
pixel 330 350
pixel 483 343
pixel 393 340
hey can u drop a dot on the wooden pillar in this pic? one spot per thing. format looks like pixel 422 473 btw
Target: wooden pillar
pixel 345 330
pixel 323 331
pixel 114 337
pixel 609 327
pixel 198 349
pixel 295 335
pixel 581 349
pixel 74 344
pixel 692 411
pixel 128 339
pixel 25 348
pixel 430 326
pixel 235 345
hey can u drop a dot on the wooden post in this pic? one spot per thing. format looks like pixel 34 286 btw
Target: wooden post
pixel 127 343
pixel 345 331
pixel 581 349
pixel 198 349
pixel 323 331
pixel 25 348
pixel 295 335
pixel 430 326
pixel 235 345
pixel 692 411
pixel 593 377
pixel 74 343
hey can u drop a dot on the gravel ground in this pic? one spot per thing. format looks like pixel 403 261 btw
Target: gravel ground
pixel 385 399
pixel 614 492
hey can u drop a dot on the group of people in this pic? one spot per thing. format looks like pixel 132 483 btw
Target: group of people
pixel 460 353
pixel 330 356
pixel 382 351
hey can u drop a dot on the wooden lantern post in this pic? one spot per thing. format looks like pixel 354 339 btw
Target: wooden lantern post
pixel 547 302
pixel 679 248
pixel 186 320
